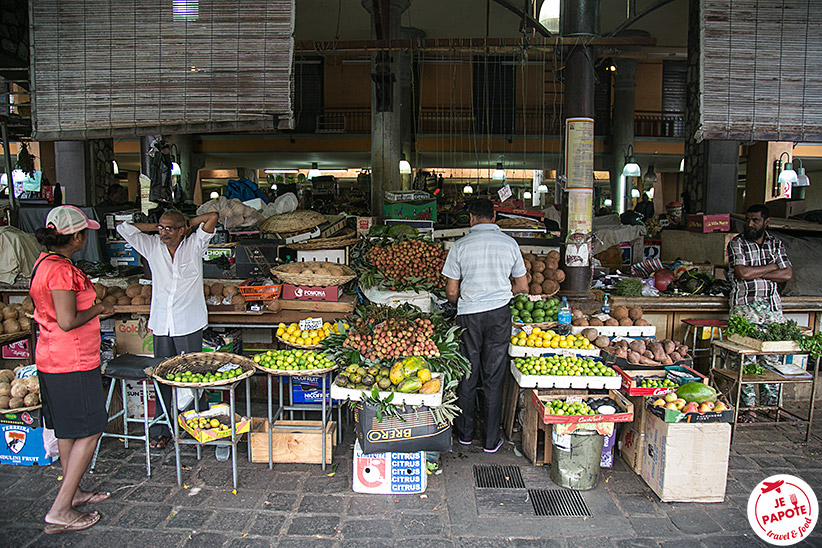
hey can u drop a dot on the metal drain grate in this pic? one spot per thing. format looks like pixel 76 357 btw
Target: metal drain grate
pixel 495 476
pixel 558 503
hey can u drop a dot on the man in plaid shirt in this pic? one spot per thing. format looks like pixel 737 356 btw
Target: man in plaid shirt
pixel 756 263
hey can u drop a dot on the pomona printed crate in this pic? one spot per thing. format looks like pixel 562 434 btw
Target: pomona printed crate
pixel 389 473
pixel 677 373
pixel 331 293
pixel 625 413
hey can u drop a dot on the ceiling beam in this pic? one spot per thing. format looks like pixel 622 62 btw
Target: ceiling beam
pixel 539 27
pixel 639 16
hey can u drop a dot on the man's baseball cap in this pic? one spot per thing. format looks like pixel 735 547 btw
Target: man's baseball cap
pixel 67 219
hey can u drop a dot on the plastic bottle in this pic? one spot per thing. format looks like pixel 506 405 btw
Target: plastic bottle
pixel 58 195
pixel 564 317
pixel 606 304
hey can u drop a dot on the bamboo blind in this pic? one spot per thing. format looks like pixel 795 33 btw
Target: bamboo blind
pixel 759 70
pixel 119 68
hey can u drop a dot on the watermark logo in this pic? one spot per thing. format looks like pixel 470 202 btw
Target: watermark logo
pixel 783 510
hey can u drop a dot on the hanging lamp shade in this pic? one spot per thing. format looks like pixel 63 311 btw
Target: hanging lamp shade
pixel 631 168
pixel 634 192
pixel 526 195
pixel 499 173
pixel 788 175
pixel 405 167
pixel 314 171
pixel 468 189
pixel 175 169
pixel 650 178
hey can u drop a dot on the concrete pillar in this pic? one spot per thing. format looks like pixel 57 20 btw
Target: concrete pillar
pixel 386 134
pixel 623 132
pixel 184 144
pixel 145 160
pixel 72 169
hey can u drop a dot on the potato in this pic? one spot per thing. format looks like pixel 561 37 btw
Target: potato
pixel 5 389
pixel 146 291
pixel 230 290
pixel 206 290
pixel 535 289
pixel 18 391
pixel 626 322
pixel 559 276
pixel 550 287
pixel 580 322
pixel 595 322
pixel 133 290
pixel 635 313
pixel 612 322
pixel 602 342
pixel 15 403
pixel 591 334
pixel 28 305
pixel 31 400
pixel 1 328
pixel 217 288
pixel 6 375
pixel 335 270
pixel 32 383
pixel 9 313
pixel 641 322
pixel 139 300
pixel 538 266
pixel 11 326
pixel 25 323
pixel 619 312
pixel 4 402
pixel 537 278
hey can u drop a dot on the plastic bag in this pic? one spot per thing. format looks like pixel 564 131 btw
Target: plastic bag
pixel 50 443
pixel 286 203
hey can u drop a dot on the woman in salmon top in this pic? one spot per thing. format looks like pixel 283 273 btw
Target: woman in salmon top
pixel 68 361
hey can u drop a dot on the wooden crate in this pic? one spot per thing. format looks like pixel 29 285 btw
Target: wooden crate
pixel 293 445
pixel 536 437
pixel 765 346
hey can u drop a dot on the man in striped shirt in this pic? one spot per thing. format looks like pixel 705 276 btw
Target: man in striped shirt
pixel 478 272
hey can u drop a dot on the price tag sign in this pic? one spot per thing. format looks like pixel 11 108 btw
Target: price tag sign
pixel 311 323
pixel 567 352
pixel 534 298
pixel 228 367
pixel 527 329
pixel 504 193
pixel 574 399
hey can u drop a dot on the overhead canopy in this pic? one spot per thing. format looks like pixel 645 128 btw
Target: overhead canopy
pixel 759 70
pixel 126 68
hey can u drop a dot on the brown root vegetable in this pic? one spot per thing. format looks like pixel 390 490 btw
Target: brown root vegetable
pixel 682 349
pixel 635 313
pixel 659 354
pixel 595 322
pixel 550 287
pixel 25 323
pixel 667 360
pixel 537 278
pixel 4 402
pixel 626 322
pixel 623 343
pixel 602 342
pixel 32 383
pixel 634 357
pixel 580 322
pixel 217 288
pixel 648 354
pixel 537 266
pixel 621 352
pixel 18 390
pixel 146 291
pixel 641 322
pixel 30 400
pixel 559 276
pixel 534 289
pixel 28 305
pixel 675 356
pixel 530 257
pixel 576 314
pixel 591 334
pixel 553 265
pixel 612 322
pixel 123 301
pixel 15 403
pixel 139 300
pixel 11 326
pixel 10 313
pixel 668 345
pixel 5 389
pixel 6 375
pixel 133 290
pixel 638 346
pixel 619 312
pixel 230 290
pixel 647 361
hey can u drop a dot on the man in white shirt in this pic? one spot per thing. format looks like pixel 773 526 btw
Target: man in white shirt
pixel 178 313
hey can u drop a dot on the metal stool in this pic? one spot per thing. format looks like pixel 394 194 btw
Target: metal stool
pixel 128 367
pixel 697 325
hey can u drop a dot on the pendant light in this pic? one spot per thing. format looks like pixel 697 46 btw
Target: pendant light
pixel 175 169
pixel 468 189
pixel 631 168
pixel 526 195
pixel 214 195
pixel 115 169
pixel 499 173
pixel 635 192
pixel 787 175
pixel 650 178
pixel 314 171
pixel 405 167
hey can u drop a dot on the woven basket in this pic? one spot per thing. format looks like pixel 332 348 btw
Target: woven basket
pixel 300 346
pixel 13 337
pixel 348 238
pixel 21 409
pixel 541 325
pixel 296 373
pixel 295 221
pixel 282 272
pixel 202 362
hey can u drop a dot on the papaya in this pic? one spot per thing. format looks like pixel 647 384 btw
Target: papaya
pixel 424 374
pixel 411 365
pixel 396 375
pixel 696 391
pixel 401 230
pixel 409 386
pixel 431 387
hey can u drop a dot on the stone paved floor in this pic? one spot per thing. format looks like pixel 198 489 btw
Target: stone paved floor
pixel 299 505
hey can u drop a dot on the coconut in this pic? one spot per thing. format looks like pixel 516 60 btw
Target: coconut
pixel 9 313
pixel 217 288
pixel 550 287
pixel 595 322
pixel 530 257
pixel 110 299
pixel 32 383
pixel 538 266
pixel 15 403
pixel 641 323
pixel 146 291
pixel 206 290
pixel 559 276
pixel 124 300
pixel 139 300
pixel 577 314
pixel 553 255
pixel 626 322
pixel 619 312
pixel 580 322
pixel 5 389
pixel 534 289
pixel 230 290
pixel 133 291
pixel 635 313
pixel 537 278
pixel 11 326
pixel 612 322
pixel 28 305
pixel 31 400
pixel 6 375
pixel 553 265
pixel 528 265
pixel 4 402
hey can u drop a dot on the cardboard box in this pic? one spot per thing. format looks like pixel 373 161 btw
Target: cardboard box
pixel 294 444
pixel 31 419
pixel 389 473
pixel 631 444
pixel 423 209
pixel 16 351
pixel 364 224
pixel 786 208
pixel 134 399
pixel 331 293
pixel 214 252
pixel 696 247
pixel 686 462
pixel 720 222
pixel 23 445
pixel 219 411
pixel 416 430
pixel 677 373
pixel 608 442
pixel 133 337
pixel 122 254
pixel 638 423
pixel 674 415
pixel 625 413
pixel 308 389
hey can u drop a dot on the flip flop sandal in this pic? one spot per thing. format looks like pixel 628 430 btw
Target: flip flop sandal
pixel 94 498
pixel 57 528
pixel 746 419
pixel 159 442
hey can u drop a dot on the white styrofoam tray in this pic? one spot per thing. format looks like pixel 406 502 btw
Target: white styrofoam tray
pixel 429 400
pixel 525 351
pixel 619 330
pixel 564 381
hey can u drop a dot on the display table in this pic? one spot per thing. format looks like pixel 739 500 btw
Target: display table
pixel 730 380
pixel 232 443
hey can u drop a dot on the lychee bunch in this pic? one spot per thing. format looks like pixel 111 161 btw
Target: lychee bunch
pixel 393 338
pixel 410 259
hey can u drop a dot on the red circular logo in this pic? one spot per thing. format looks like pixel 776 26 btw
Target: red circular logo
pixel 783 510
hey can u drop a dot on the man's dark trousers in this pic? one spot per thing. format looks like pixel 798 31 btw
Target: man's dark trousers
pixel 485 344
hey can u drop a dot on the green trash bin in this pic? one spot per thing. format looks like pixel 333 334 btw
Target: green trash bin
pixel 575 459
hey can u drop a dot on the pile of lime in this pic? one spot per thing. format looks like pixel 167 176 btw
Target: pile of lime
pixel 526 311
pixel 562 407
pixel 563 365
pixel 657 383
pixel 293 360
pixel 189 377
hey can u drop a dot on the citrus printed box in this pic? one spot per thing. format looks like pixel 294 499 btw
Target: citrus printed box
pixel 219 412
pixel 133 337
